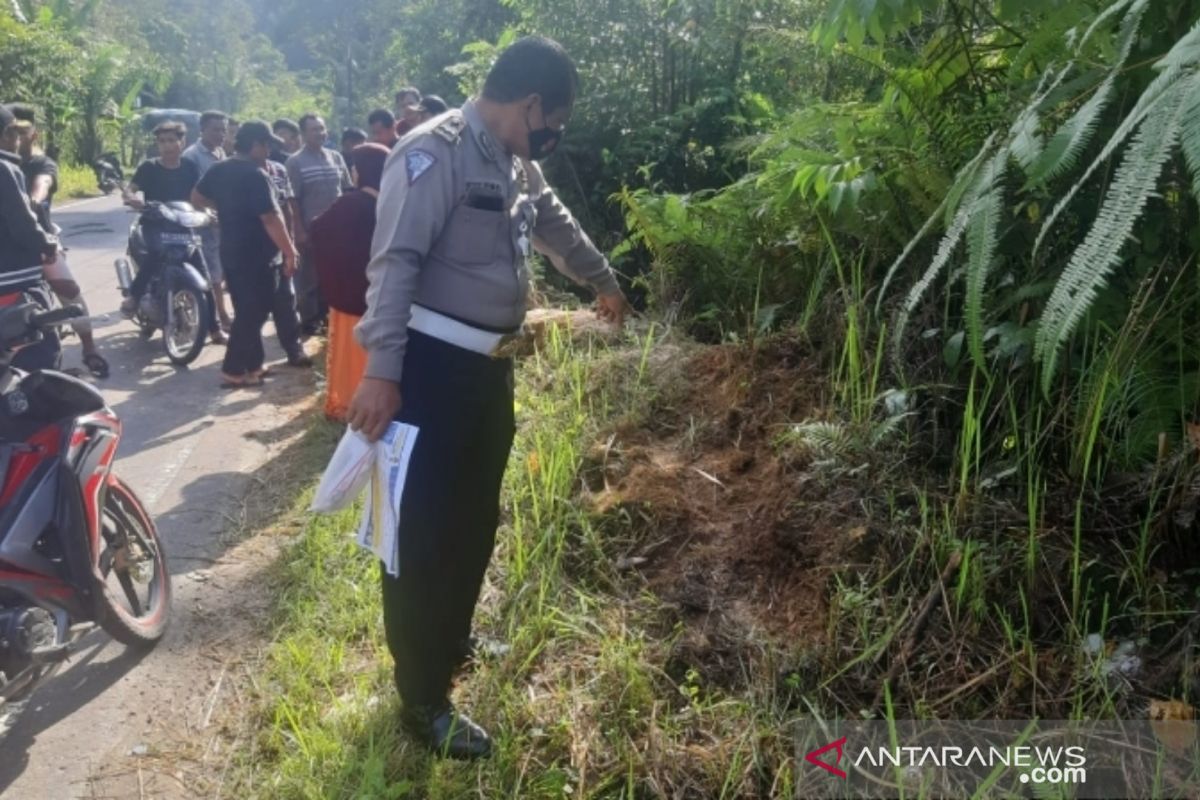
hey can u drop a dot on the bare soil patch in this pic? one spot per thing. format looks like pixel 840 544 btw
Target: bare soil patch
pixel 734 531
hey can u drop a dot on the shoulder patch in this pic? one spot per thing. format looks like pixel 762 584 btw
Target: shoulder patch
pixel 417 163
pixel 451 127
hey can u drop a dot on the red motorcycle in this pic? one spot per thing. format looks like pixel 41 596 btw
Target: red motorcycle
pixel 77 548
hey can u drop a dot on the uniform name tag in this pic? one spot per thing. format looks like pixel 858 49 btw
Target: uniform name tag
pixel 417 163
pixel 485 187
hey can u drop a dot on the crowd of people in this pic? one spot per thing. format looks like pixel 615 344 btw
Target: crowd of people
pixel 294 219
pixel 283 201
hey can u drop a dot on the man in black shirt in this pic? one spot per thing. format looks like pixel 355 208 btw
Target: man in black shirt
pixel 287 134
pixel 383 127
pixel 253 235
pixel 41 181
pixel 351 138
pixel 170 178
pixel 25 247
pixel 167 179
pixel 41 173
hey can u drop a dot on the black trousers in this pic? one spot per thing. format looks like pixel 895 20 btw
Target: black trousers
pixel 314 311
pixel 462 403
pixel 258 291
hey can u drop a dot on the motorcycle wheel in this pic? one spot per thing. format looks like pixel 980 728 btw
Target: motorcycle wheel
pixel 184 333
pixel 133 587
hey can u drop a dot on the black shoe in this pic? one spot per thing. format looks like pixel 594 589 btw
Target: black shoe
pixel 447 733
pixel 300 360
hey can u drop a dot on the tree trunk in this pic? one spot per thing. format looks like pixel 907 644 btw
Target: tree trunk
pixel 18 12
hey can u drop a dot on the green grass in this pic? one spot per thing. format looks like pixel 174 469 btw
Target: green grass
pixel 582 705
pixel 594 699
pixel 76 182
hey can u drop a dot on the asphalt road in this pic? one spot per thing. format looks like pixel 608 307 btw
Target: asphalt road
pixel 189 449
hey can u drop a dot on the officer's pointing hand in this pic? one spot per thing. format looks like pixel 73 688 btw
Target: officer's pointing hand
pixel 375 405
pixel 613 308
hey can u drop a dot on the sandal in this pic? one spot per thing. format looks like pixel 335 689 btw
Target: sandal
pixel 240 381
pixel 97 365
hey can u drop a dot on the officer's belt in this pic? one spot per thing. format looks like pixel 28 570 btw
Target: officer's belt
pixel 460 334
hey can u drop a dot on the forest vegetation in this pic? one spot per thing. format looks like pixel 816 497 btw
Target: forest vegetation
pixel 921 312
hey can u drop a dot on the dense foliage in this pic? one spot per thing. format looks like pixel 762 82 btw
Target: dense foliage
pixel 1055 146
pixel 89 66
pixel 977 217
pixel 1004 190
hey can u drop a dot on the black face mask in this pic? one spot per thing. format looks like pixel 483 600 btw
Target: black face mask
pixel 542 142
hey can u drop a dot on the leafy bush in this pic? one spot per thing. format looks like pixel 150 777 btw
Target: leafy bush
pixel 1051 143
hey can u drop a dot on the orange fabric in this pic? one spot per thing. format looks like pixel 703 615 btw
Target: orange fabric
pixel 345 362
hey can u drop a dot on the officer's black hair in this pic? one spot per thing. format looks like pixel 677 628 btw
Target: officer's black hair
pixel 354 135
pixel 415 92
pixel 307 118
pixel 533 65
pixel 285 125
pixel 382 117
pixel 212 116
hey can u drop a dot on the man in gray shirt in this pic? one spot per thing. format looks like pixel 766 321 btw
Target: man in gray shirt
pixel 461 206
pixel 318 176
pixel 204 152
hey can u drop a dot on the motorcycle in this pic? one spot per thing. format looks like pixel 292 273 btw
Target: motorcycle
pixel 165 238
pixel 109 175
pixel 77 547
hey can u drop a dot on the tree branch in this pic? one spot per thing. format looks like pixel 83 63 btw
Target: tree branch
pixel 962 33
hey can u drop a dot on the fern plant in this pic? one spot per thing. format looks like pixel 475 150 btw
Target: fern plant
pixel 1163 120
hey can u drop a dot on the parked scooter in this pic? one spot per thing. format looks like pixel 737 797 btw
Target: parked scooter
pixel 165 239
pixel 77 547
pixel 109 175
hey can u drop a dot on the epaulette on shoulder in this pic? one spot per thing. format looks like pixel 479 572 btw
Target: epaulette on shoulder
pixel 451 127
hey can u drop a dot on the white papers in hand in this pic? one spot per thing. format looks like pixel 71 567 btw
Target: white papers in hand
pixel 348 472
pixel 378 531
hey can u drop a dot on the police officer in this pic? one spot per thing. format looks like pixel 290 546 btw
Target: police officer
pixel 461 205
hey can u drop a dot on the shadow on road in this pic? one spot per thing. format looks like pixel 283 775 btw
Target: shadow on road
pixel 248 503
pixel 81 682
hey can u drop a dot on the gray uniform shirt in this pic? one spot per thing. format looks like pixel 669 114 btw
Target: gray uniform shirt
pixel 456 218
pixel 317 180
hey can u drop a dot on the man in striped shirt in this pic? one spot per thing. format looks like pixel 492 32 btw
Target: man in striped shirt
pixel 318 176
